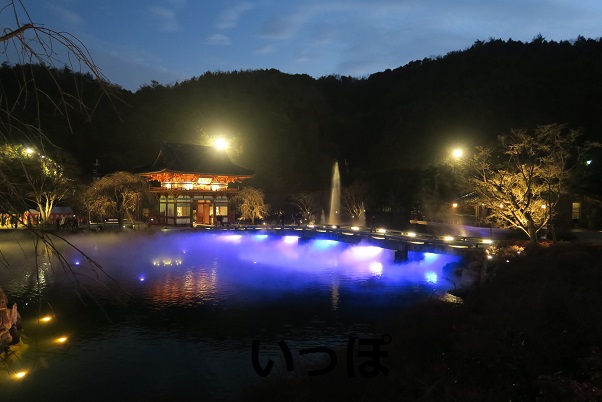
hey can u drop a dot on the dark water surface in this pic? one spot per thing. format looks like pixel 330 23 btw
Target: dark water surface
pixel 180 311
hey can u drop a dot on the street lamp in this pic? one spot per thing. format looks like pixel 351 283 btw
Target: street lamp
pixel 457 153
pixel 220 144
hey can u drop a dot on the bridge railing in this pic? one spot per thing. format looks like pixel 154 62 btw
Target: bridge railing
pixel 391 239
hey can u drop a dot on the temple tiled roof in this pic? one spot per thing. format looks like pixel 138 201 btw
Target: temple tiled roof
pixel 198 159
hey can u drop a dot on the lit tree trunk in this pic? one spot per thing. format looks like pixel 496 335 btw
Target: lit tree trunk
pixel 550 223
pixel 43 215
pixel 45 210
pixel 120 214
pixel 531 230
pixel 45 205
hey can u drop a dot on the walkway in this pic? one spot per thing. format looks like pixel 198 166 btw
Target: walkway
pixel 399 241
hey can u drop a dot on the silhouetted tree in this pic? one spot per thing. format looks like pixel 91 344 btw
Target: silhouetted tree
pixel 354 199
pixel 306 203
pixel 37 84
pixel 28 106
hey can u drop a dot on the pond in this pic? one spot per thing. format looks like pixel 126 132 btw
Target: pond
pixel 179 311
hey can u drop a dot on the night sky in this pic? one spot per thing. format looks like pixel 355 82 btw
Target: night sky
pixel 137 41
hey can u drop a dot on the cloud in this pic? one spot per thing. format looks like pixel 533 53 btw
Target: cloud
pixel 285 26
pixel 217 40
pixel 268 49
pixel 166 19
pixel 131 69
pixel 228 19
pixel 69 18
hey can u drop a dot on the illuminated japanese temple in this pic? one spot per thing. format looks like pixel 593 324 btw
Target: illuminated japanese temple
pixel 194 183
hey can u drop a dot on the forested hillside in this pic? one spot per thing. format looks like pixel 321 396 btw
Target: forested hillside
pixel 291 128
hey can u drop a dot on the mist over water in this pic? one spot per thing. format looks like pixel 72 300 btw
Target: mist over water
pixel 184 307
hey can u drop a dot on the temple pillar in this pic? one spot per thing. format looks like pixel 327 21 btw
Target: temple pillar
pixel 214 221
pixel 175 210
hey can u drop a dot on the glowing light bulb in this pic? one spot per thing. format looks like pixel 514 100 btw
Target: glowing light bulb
pixel 220 144
pixel 46 319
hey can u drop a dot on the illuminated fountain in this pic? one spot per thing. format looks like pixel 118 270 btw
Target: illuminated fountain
pixel 335 197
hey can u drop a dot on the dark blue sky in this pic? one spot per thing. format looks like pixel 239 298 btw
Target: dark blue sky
pixel 136 41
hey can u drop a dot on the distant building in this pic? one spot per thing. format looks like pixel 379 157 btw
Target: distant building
pixel 57 215
pixel 586 211
pixel 194 184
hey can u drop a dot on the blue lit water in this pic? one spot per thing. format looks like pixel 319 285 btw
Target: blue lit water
pixel 178 312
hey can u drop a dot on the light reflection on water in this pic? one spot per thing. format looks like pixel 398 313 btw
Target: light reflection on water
pixel 184 308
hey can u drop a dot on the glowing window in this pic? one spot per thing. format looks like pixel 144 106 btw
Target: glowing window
pixel 576 211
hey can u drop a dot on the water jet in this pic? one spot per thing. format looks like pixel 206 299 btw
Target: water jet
pixel 335 196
